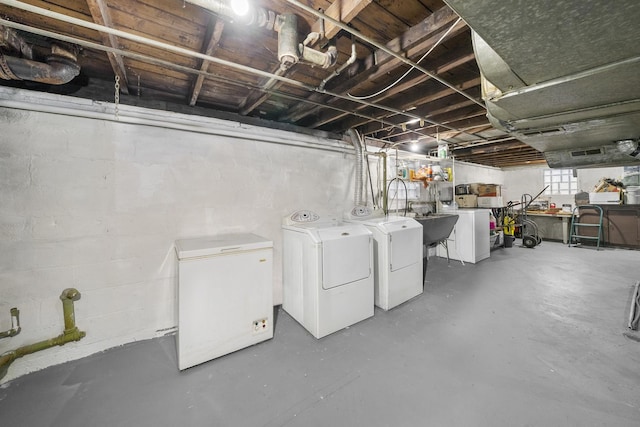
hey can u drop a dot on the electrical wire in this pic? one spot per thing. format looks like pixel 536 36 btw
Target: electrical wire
pixel 381 91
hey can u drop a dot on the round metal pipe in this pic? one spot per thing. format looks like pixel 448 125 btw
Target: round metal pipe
pixel 56 71
pixel 287 28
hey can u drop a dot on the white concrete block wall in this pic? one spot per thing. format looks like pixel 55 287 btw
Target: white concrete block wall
pixel 97 205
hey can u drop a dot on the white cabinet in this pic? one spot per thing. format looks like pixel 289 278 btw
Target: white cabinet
pixel 469 240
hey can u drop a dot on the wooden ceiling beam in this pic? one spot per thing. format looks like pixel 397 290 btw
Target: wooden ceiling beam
pixel 342 10
pixel 447 114
pixel 409 101
pixel 433 110
pixel 212 38
pixel 100 14
pixel 408 84
pixel 379 63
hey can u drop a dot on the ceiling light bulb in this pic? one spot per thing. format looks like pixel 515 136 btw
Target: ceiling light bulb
pixel 414 146
pixel 240 7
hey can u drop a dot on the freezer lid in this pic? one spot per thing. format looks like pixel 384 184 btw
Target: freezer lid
pixel 220 244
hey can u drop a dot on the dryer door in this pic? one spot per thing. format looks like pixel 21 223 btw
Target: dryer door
pixel 346 255
pixel 406 244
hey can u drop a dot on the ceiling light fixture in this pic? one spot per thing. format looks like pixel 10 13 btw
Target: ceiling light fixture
pixel 240 7
pixel 414 146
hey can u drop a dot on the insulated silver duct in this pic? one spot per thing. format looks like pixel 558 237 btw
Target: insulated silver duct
pixel 60 67
pixel 290 51
pixel 360 169
pixel 287 28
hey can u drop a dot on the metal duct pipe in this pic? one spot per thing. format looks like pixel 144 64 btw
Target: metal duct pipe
pixel 57 70
pixel 61 65
pixel 290 51
pixel 70 333
pixel 239 11
pixel 287 28
pixel 360 159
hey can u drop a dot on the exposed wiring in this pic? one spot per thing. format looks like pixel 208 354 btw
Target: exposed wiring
pixel 381 91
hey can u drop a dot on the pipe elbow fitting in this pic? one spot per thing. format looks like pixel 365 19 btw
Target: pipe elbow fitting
pixel 70 294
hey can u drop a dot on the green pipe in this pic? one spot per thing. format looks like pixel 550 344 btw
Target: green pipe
pixel 70 333
pixel 15 324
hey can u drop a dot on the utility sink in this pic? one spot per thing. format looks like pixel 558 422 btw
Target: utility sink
pixel 436 227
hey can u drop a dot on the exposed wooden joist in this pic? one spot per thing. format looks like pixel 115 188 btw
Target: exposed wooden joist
pixel 418 97
pixel 379 63
pixel 409 84
pixel 214 32
pixel 341 10
pixel 100 14
pixel 460 118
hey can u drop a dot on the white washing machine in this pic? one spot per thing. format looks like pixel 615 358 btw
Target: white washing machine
pixel 397 254
pixel 327 272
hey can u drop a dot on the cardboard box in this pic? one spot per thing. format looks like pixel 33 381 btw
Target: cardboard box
pixel 467 201
pixel 490 202
pixel 485 190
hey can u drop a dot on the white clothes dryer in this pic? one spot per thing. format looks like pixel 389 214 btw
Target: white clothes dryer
pixel 397 256
pixel 327 272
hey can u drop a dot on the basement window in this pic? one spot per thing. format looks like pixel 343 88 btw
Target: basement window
pixel 560 181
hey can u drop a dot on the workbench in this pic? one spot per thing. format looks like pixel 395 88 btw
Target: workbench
pixel 552 226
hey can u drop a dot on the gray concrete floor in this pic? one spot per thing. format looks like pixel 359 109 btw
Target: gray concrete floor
pixel 529 337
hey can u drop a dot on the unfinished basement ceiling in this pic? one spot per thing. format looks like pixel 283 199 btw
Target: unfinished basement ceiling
pixel 171 53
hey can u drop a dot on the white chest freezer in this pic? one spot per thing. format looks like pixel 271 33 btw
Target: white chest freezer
pixel 225 295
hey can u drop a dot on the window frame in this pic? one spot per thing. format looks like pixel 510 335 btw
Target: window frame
pixel 561 182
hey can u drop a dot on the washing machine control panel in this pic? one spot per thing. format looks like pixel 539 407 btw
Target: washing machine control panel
pixel 304 216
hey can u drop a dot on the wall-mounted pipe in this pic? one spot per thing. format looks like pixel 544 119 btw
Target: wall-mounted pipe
pixel 70 333
pixel 60 67
pixel 15 324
